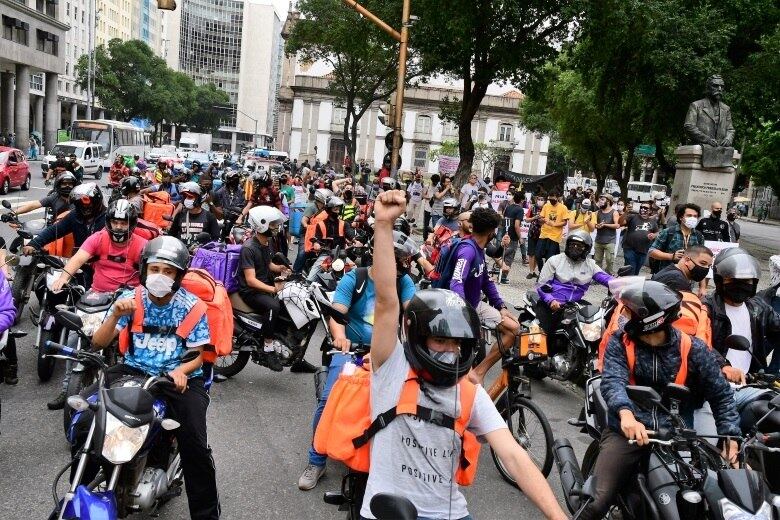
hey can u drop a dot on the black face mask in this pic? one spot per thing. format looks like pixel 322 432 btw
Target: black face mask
pixel 739 291
pixel 347 195
pixel 698 273
pixel 717 214
pixel 731 217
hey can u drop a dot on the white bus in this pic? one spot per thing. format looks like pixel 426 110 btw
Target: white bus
pixel 644 191
pixel 116 137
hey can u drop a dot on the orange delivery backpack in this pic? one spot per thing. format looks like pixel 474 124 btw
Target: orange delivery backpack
pixel 156 206
pixel 219 311
pixel 345 428
pixel 64 246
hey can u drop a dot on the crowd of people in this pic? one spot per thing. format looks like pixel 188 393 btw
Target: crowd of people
pixel 428 335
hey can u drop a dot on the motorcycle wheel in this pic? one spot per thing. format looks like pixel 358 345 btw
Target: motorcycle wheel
pixel 531 429
pixel 46 364
pixel 231 364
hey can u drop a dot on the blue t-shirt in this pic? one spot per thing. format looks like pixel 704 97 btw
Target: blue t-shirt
pixel 361 313
pixel 451 223
pixel 155 353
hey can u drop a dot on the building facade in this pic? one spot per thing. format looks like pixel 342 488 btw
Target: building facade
pixel 31 62
pixel 237 46
pixel 311 126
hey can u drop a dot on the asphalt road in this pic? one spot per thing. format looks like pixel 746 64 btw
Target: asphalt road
pixel 260 429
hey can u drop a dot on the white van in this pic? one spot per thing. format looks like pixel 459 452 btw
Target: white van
pixel 89 155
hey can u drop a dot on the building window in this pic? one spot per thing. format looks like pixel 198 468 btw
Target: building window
pixel 421 156
pixel 505 133
pixel 47 42
pixel 46 6
pixel 15 30
pixel 36 81
pixel 450 128
pixel 339 115
pixel 423 125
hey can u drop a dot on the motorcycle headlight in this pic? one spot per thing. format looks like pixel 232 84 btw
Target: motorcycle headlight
pixel 732 511
pixel 122 442
pixel 92 321
pixel 591 331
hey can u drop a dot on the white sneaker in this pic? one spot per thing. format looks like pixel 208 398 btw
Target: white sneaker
pixel 311 475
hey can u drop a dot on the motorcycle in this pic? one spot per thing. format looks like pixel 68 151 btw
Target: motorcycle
pixel 683 475
pixel 336 263
pixel 140 461
pixel 8 338
pixel 304 305
pixel 27 270
pixel 574 343
pixel 91 308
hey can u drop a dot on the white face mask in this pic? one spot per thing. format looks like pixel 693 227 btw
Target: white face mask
pixel 620 207
pixel 691 222
pixel 189 203
pixel 159 285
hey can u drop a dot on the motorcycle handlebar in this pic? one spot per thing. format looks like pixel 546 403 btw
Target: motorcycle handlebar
pixel 58 348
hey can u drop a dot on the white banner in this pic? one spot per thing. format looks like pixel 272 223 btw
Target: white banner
pixel 716 247
pixel 497 198
pixel 448 165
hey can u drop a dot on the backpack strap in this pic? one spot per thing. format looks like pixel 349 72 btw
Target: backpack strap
pixel 682 372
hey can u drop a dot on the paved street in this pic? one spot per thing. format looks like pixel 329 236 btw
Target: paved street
pixel 259 425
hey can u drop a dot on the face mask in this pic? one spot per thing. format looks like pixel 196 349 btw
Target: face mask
pixel 553 201
pixel 717 214
pixel 691 222
pixel 698 273
pixel 731 217
pixel 447 357
pixel 189 203
pixel 159 285
pixel 620 207
pixel 739 291
pixel 348 195
pixel 540 204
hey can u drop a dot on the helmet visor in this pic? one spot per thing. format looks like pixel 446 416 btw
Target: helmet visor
pixel 441 324
pixel 739 266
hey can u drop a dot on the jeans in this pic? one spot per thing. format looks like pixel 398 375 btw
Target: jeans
pixel 300 260
pixel 426 223
pixel 635 259
pixel 336 363
pixel 604 255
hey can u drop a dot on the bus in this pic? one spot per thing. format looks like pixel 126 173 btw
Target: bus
pixel 115 137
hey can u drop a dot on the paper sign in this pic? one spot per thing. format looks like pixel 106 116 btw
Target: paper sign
pixel 716 247
pixel 497 198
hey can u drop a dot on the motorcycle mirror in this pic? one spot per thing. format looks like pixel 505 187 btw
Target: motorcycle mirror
pixel 737 342
pixel 6 204
pixel 385 506
pixel 69 320
pixel 167 424
pixel 644 396
pixel 677 392
pixel 626 270
pixel 775 402
pixel 78 403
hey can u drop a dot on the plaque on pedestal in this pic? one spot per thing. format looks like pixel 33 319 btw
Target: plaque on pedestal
pixel 700 185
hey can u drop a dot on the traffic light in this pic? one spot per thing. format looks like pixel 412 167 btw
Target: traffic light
pixel 387 115
pixel 166 5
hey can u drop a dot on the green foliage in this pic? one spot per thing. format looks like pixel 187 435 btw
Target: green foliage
pixel 761 157
pixel 447 149
pixel 484 41
pixel 363 58
pixel 132 82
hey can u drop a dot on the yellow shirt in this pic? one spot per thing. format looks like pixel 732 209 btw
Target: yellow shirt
pixel 559 214
pixel 581 219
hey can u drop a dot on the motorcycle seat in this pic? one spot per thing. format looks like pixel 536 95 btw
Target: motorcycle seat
pixel 240 305
pixel 596 405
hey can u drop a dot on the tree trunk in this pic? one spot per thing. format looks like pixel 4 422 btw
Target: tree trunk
pixel 472 98
pixel 666 167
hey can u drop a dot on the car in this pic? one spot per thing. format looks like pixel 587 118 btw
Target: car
pixel 90 156
pixel 163 151
pixel 14 170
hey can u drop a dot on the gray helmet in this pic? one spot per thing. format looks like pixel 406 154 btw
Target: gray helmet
pixel 578 245
pixel 322 195
pixel 194 188
pixel 167 250
pixel 737 263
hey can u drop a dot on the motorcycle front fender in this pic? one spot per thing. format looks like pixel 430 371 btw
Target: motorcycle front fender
pixel 91 505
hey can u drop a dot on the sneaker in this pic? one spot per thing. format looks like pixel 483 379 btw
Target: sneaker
pixel 529 276
pixel 58 403
pixel 11 374
pixel 504 281
pixel 311 475
pixel 271 360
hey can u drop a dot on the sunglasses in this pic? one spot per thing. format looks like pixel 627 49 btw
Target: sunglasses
pixel 644 208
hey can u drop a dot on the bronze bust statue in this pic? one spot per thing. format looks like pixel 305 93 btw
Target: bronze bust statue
pixel 708 123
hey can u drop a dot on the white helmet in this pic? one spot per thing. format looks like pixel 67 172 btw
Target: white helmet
pixel 261 218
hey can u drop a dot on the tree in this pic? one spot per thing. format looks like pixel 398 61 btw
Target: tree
pixel 206 118
pixel 485 41
pixel 761 157
pixel 363 58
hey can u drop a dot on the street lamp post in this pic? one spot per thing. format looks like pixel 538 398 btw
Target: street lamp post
pixel 245 115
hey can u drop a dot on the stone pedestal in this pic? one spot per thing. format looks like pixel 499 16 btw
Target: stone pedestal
pixel 702 186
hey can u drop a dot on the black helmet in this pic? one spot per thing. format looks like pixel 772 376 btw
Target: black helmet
pixel 129 185
pixel 194 188
pixel 736 264
pixel 261 179
pixel 652 305
pixel 334 203
pixel 168 250
pixel 440 313
pixel 578 245
pixel 121 209
pixel 87 199
pixel 64 183
pixel 493 250
pixel 195 164
pixel 402 225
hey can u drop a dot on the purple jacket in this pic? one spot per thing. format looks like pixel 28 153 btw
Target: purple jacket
pixel 568 280
pixel 7 307
pixel 470 278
